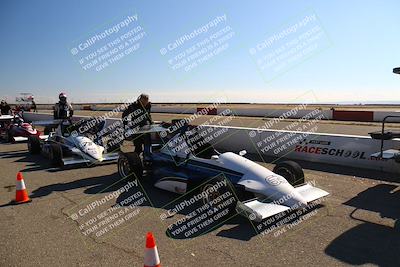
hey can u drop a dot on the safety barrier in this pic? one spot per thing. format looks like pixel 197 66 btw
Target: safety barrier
pixel 331 114
pixel 337 149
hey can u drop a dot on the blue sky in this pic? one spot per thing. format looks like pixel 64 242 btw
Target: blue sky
pixel 356 66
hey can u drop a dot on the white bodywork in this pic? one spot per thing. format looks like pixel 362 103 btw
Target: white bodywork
pixel 88 147
pixel 82 147
pixel 274 193
pixel 6 117
pixel 23 139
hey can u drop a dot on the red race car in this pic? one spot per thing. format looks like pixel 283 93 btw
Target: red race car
pixel 14 129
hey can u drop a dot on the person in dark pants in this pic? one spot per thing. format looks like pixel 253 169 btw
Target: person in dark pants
pixel 135 116
pixel 63 109
pixel 33 106
pixel 5 108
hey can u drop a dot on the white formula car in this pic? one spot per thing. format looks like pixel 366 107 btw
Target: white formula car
pixel 63 148
pixel 179 167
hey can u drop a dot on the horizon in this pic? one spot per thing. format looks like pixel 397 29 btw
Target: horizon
pixel 265 52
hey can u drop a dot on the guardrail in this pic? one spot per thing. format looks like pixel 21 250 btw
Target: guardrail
pixel 337 149
pixel 328 114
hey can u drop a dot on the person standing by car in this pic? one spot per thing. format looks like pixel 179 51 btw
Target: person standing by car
pixel 5 108
pixel 135 116
pixel 63 109
pixel 33 106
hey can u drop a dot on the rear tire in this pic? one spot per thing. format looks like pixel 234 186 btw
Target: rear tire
pixel 291 171
pixel 130 166
pixel 34 144
pixel 55 155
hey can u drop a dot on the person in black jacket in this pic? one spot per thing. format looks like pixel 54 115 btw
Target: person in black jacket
pixel 63 109
pixel 5 108
pixel 135 116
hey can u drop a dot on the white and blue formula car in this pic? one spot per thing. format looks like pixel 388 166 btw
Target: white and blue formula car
pixel 63 148
pixel 179 165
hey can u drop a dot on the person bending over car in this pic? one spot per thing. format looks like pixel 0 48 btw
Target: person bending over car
pixel 135 116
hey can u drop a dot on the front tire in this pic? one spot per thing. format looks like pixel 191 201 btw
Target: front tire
pixel 291 171
pixel 34 144
pixel 8 137
pixel 55 155
pixel 130 166
pixel 47 130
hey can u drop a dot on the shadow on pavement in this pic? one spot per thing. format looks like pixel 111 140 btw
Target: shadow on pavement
pixel 370 242
pixel 242 228
pixel 99 184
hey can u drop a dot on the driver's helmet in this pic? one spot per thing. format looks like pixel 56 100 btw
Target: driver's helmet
pixel 62 97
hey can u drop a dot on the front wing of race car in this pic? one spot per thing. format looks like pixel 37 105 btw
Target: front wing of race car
pixel 79 159
pixel 258 211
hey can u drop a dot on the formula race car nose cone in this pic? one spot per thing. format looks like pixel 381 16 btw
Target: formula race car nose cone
pixel 89 147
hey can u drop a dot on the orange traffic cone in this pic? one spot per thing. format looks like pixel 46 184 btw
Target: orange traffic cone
pixel 151 258
pixel 21 195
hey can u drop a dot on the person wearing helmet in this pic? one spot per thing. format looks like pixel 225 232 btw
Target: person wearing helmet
pixel 5 108
pixel 135 116
pixel 62 109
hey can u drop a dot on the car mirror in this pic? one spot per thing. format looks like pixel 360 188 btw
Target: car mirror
pixel 242 153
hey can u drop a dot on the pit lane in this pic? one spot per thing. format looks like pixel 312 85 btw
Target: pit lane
pixel 354 225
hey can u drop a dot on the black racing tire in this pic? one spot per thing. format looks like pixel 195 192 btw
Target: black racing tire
pixel 208 196
pixel 56 155
pixel 291 171
pixel 47 130
pixel 10 137
pixel 34 144
pixel 130 166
